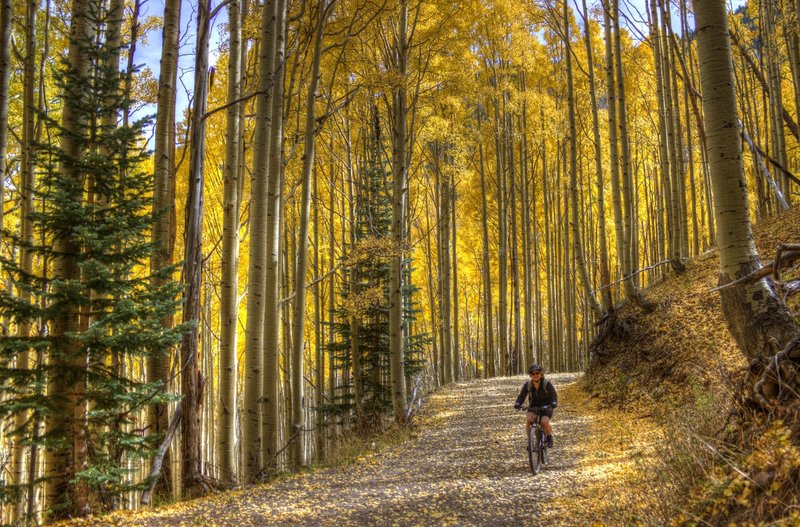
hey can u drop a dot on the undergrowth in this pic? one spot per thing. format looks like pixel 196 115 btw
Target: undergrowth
pixel 723 462
pixel 354 447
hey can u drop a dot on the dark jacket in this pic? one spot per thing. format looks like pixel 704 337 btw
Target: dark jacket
pixel 545 395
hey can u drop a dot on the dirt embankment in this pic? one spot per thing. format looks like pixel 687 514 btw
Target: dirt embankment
pixel 727 465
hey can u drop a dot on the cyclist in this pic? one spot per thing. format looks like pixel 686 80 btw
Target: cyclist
pixel 540 392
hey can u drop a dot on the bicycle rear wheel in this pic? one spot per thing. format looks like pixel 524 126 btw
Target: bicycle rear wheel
pixel 534 450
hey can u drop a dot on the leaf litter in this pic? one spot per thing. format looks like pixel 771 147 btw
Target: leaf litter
pixel 466 466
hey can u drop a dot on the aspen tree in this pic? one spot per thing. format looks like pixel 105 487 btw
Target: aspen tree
pixel 319 355
pixel 331 387
pixel 668 161
pixel 112 35
pixel 229 290
pixel 459 372
pixel 399 191
pixel 355 323
pixel 131 65
pixel 489 355
pixel 28 185
pixel 5 76
pixel 687 95
pixel 793 29
pixel 549 260
pixel 527 250
pixel 514 239
pixel 709 205
pixel 605 272
pixel 443 174
pixel 755 315
pixel 613 144
pixel 270 423
pixel 774 80
pixel 432 289
pixel 163 233
pixel 537 269
pixel 577 248
pixel 256 290
pixel 671 59
pixel 629 241
pixel 191 378
pixel 298 416
pixel 31 136
pixel 671 119
pixel 560 241
pixel 500 175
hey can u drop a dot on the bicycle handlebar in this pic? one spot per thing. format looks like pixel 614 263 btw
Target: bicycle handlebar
pixel 535 409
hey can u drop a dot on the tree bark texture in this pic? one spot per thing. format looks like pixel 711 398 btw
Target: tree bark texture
pixel 163 233
pixel 28 180
pixel 605 272
pixel 298 342
pixel 489 354
pixel 192 380
pixel 67 388
pixel 5 76
pixel 577 247
pixel 399 190
pixel 229 283
pixel 755 315
pixel 270 424
pixel 257 273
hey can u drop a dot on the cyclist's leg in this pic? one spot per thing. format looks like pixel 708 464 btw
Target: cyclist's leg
pixel 546 425
pixel 548 430
pixel 529 423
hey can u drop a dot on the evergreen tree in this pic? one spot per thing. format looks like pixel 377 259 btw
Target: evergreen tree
pixel 365 294
pixel 103 212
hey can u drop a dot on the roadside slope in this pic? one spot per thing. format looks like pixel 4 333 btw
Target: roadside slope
pixel 726 464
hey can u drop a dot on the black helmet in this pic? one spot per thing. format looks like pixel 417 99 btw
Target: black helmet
pixel 535 368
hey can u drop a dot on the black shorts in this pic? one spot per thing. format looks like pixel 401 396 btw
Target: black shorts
pixel 548 413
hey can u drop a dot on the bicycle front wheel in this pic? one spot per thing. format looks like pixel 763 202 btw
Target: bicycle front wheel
pixel 542 450
pixel 534 451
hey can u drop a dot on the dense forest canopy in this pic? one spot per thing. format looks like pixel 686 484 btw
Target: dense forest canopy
pixel 363 201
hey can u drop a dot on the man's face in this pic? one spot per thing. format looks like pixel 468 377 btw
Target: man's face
pixel 536 375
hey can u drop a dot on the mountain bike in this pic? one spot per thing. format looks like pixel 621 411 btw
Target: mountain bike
pixel 537 442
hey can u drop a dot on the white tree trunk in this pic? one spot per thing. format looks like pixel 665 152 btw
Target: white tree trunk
pixel 298 340
pixel 399 190
pixel 229 283
pixel 162 235
pixel 270 424
pixel 755 315
pixel 5 76
pixel 257 273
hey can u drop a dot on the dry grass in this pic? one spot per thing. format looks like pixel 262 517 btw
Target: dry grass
pixel 723 464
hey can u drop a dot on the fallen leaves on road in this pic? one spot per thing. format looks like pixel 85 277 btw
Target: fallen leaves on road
pixel 467 466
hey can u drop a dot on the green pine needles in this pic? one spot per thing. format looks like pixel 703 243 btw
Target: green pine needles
pixel 92 216
pixel 361 345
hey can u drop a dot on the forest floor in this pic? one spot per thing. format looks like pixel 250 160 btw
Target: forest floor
pixel 465 465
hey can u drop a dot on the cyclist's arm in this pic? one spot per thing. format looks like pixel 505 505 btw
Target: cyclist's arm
pixel 523 393
pixel 553 396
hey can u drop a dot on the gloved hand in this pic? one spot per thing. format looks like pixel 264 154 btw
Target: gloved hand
pixel 553 405
pixel 517 406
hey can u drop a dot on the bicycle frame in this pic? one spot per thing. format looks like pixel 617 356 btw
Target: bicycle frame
pixel 537 446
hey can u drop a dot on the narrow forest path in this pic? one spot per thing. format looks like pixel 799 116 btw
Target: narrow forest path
pixel 466 467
